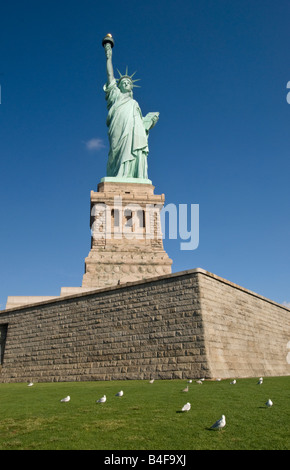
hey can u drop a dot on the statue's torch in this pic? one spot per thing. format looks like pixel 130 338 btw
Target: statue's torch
pixel 108 39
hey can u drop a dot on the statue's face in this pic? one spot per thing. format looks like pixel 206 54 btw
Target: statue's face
pixel 125 85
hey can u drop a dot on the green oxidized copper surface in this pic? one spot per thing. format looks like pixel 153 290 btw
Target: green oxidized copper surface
pixel 128 130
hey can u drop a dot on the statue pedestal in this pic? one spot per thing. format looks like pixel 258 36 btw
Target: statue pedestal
pixel 116 179
pixel 126 242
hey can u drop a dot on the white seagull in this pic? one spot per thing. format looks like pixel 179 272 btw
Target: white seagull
pixel 186 407
pixel 233 382
pixel 65 399
pixel 269 402
pixel 119 394
pixel 189 381
pixel 260 381
pixel 199 382
pixel 151 381
pixel 220 423
pixel 30 384
pixel 102 400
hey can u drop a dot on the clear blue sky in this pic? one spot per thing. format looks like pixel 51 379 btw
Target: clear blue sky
pixel 216 70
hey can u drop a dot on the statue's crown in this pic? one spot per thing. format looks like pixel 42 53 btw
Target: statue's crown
pixel 130 77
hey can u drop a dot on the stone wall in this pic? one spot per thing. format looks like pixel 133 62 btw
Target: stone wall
pixel 246 335
pixel 146 329
pixel 185 325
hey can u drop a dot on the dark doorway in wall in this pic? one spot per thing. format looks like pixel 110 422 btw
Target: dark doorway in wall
pixel 3 335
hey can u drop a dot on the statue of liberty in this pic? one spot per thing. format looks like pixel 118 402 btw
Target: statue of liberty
pixel 128 130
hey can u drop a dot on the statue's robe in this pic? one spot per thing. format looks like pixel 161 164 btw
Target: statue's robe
pixel 127 135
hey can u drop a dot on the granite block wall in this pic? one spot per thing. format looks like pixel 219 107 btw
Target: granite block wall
pixel 246 335
pixel 186 325
pixel 146 329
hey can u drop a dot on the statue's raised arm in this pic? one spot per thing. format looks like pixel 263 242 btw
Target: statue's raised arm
pixel 127 129
pixel 108 43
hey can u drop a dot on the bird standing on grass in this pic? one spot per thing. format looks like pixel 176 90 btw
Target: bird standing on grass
pixel 102 399
pixel 119 394
pixel 66 399
pixel 186 407
pixel 220 423
pixel 269 403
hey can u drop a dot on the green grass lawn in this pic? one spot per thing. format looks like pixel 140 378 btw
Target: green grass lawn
pixel 147 417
